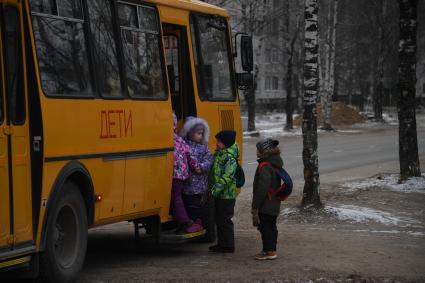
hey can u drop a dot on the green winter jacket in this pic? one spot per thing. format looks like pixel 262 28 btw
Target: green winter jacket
pixel 265 180
pixel 222 179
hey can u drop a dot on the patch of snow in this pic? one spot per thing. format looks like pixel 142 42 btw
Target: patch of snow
pixel 390 182
pixel 279 132
pixel 273 133
pixel 271 125
pixel 349 131
pixel 390 118
pixel 363 214
pixel 412 233
pixel 358 214
pixel 289 211
pixel 270 120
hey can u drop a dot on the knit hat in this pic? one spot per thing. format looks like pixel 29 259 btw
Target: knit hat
pixel 227 137
pixel 266 144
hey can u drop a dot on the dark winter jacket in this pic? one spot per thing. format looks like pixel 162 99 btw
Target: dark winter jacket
pixel 264 180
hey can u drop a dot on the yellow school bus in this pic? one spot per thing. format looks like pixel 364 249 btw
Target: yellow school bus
pixel 87 91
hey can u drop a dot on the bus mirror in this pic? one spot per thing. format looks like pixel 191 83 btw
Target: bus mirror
pixel 244 80
pixel 247 57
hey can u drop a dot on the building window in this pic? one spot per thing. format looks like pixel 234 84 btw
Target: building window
pixel 275 55
pixel 275 83
pixel 267 4
pixel 267 83
pixel 267 56
pixel 271 83
pixel 273 26
pixel 258 26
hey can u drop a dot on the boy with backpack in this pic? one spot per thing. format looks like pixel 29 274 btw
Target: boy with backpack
pixel 267 195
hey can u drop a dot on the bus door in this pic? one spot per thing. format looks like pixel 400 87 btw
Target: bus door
pixel 4 164
pixel 15 182
pixel 179 71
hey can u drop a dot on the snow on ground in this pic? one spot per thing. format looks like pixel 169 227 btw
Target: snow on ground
pixel 389 182
pixel 359 214
pixel 412 233
pixel 271 125
pixel 390 119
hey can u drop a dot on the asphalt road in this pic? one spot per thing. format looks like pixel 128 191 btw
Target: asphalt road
pixel 344 155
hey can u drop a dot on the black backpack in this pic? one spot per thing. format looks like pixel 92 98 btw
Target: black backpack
pixel 239 175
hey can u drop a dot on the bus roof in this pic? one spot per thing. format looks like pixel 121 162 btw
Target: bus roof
pixel 192 5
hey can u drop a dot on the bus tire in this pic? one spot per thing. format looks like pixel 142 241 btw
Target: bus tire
pixel 209 222
pixel 66 237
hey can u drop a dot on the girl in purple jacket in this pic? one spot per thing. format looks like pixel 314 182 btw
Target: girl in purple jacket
pixel 196 133
pixel 182 158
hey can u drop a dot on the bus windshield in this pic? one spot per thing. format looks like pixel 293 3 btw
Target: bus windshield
pixel 212 57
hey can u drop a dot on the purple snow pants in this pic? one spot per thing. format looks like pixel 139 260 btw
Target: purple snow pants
pixel 177 204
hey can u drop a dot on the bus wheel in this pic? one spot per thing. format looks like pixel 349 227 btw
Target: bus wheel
pixel 209 221
pixel 66 238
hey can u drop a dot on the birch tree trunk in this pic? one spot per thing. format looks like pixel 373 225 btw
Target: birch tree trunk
pixel 379 91
pixel 311 196
pixel 408 141
pixel 327 107
pixel 289 76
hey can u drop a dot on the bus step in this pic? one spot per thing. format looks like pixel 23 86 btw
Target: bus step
pixel 171 237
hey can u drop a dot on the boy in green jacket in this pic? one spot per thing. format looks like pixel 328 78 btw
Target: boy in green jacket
pixel 265 206
pixel 223 189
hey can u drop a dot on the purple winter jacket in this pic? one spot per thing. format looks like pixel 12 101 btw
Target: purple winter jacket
pixel 200 155
pixel 181 155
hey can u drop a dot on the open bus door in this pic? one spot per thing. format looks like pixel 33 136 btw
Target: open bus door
pixel 179 71
pixel 16 231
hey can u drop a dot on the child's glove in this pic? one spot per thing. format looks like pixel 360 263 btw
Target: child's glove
pixel 255 218
pixel 198 170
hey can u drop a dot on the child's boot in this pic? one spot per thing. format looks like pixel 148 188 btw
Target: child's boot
pixel 266 255
pixel 199 222
pixel 195 227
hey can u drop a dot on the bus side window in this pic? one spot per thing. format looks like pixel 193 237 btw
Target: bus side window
pixel 212 58
pixel 105 51
pixel 142 51
pixel 61 47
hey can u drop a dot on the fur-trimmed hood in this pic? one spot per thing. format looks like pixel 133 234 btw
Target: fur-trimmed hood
pixel 192 122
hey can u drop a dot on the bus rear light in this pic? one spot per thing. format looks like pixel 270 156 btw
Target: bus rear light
pixel 98 198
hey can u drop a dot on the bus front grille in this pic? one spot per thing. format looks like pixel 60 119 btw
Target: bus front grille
pixel 227 120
